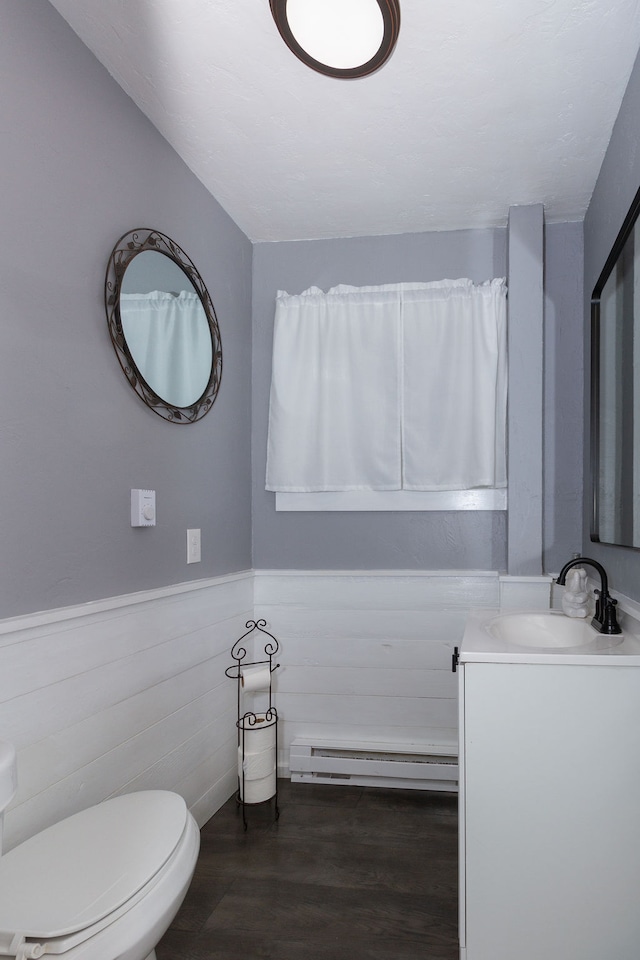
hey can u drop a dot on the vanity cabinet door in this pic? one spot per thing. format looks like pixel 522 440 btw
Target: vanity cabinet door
pixel 550 812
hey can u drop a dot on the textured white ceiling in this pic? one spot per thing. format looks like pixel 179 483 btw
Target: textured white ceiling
pixel 482 105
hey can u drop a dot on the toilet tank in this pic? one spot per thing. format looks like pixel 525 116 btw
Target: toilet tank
pixel 8 779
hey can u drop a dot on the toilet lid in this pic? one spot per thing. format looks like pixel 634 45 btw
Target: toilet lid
pixel 83 868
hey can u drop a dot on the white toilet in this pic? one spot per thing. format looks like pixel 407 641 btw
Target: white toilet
pixel 104 884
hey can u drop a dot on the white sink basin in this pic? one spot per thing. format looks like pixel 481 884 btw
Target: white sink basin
pixel 548 631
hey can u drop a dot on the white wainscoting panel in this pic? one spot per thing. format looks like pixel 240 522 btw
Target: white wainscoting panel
pixel 366 656
pixel 130 693
pixel 124 694
pixel 525 593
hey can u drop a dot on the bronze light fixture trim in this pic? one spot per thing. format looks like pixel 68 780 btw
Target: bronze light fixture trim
pixel 390 10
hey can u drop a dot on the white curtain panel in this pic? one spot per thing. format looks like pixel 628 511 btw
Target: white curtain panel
pixel 334 421
pixel 170 341
pixel 389 387
pixel 455 386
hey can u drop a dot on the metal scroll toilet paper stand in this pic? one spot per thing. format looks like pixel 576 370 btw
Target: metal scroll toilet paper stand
pixel 257 729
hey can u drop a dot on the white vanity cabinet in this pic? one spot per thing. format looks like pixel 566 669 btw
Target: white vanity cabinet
pixel 549 802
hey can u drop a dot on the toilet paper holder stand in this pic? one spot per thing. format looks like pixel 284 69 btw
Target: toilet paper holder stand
pixel 254 723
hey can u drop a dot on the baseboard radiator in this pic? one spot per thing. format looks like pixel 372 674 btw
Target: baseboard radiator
pixel 429 765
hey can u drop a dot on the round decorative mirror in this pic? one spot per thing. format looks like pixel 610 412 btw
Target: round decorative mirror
pixel 163 326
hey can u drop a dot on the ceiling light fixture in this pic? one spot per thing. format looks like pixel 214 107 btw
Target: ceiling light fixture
pixel 340 38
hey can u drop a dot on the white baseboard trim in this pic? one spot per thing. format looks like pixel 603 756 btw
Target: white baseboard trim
pixel 211 801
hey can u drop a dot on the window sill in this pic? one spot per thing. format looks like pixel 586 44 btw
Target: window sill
pixel 392 500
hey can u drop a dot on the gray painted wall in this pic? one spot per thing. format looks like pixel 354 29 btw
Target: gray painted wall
pixel 352 541
pixel 563 394
pixel 616 187
pixel 83 165
pixel 525 258
pixel 80 166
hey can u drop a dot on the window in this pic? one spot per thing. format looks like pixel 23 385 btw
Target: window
pixel 392 388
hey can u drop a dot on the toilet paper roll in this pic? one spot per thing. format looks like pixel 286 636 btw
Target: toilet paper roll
pixel 257 791
pixel 256 766
pixel 259 735
pixel 257 758
pixel 257 677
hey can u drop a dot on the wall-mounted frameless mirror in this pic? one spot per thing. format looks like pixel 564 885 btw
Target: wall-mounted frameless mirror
pixel 615 391
pixel 163 326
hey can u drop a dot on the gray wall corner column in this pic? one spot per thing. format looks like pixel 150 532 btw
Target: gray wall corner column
pixel 525 278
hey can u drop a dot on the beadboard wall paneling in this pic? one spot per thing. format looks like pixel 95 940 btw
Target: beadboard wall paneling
pixel 388 589
pixel 367 655
pixel 371 624
pixel 123 695
pixel 130 693
pixel 378 681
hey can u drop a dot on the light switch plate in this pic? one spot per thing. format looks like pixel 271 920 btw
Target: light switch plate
pixel 193 546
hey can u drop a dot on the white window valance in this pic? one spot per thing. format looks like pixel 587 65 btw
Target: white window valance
pixel 400 386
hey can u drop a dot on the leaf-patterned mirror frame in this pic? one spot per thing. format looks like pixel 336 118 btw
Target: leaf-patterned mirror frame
pixel 126 249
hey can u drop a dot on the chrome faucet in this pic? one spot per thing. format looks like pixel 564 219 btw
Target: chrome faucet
pixel 605 616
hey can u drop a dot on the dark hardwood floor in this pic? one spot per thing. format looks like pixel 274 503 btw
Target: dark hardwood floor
pixel 346 873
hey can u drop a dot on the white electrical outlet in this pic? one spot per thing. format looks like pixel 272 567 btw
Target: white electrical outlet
pixel 193 546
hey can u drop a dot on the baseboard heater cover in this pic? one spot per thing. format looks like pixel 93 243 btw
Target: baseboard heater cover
pixel 414 766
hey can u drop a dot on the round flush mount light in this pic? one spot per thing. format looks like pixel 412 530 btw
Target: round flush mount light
pixel 340 38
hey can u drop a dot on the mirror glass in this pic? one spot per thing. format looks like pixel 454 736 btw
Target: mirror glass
pixel 615 391
pixel 163 326
pixel 166 328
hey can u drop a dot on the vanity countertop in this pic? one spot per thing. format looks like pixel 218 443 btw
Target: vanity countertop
pixel 480 645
